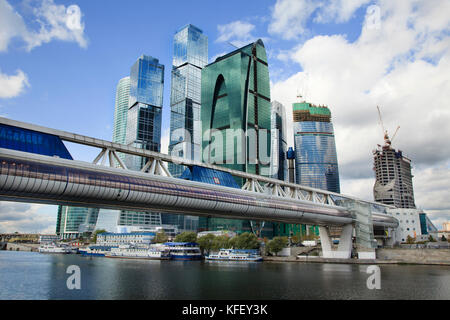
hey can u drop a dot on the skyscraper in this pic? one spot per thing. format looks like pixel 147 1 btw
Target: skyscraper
pixel 121 112
pixel 393 183
pixel 316 158
pixel 145 108
pixel 74 221
pixel 143 129
pixel 190 56
pixel 236 120
pixel 279 143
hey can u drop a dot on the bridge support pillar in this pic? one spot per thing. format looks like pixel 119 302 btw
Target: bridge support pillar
pixel 344 250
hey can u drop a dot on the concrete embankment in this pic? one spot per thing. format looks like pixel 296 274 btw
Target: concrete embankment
pixel 29 247
pixel 384 256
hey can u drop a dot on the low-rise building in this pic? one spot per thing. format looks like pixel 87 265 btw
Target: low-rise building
pixel 413 223
pixel 218 233
pixel 48 238
pixel 117 239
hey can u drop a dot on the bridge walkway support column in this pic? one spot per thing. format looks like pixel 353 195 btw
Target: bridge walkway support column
pixel 344 250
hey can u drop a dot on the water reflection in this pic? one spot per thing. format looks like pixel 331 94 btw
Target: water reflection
pixel 38 276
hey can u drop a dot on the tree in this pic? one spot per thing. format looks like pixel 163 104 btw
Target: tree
pixel 206 243
pixel 161 237
pixel 221 242
pixel 97 232
pixel 186 237
pixel 245 241
pixel 431 239
pixel 443 238
pixel 277 244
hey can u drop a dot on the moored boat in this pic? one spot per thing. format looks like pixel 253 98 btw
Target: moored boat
pixel 235 255
pixel 184 250
pixel 133 252
pixel 51 248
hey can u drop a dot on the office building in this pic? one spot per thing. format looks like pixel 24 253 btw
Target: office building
pixel 143 128
pixel 190 55
pixel 73 222
pixel 413 223
pixel 121 112
pixel 279 166
pixel 316 162
pixel 236 120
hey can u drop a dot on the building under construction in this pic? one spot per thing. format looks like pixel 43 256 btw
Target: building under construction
pixel 393 183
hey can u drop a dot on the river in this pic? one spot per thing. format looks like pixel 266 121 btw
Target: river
pixel 35 276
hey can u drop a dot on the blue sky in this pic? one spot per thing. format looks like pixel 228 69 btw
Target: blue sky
pixel 350 55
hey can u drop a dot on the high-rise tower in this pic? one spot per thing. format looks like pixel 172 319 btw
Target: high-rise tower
pixel 236 120
pixel 279 168
pixel 190 56
pixel 143 129
pixel 316 157
pixel 393 183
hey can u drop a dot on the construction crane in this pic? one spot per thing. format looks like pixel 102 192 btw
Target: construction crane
pixel 387 141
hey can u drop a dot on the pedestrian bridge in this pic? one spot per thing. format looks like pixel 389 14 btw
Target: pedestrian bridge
pixel 37 178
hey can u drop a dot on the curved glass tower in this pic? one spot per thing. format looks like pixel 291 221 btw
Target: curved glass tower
pixel 316 159
pixel 236 121
pixel 121 110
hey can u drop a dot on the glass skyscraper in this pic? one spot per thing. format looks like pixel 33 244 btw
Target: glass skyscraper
pixel 236 101
pixel 121 112
pixel 278 168
pixel 143 128
pixel 190 56
pixel 316 162
pixel 74 221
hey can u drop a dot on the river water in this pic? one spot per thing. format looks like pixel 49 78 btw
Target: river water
pixel 37 276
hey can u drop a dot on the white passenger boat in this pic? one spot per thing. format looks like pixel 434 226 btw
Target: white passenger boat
pixel 184 251
pixel 51 248
pixel 132 252
pixel 234 255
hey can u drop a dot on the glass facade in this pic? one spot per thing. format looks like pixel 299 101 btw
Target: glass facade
pixel 279 167
pixel 236 110
pixel 316 158
pixel 31 141
pixel 121 112
pixel 74 221
pixel 145 108
pixel 190 56
pixel 143 128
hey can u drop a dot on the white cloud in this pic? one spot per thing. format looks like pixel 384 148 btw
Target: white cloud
pixel 24 217
pixel 239 33
pixel 289 17
pixel 56 22
pixel 403 66
pixel 12 85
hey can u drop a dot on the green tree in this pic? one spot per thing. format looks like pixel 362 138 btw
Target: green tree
pixel 186 237
pixel 245 241
pixel 97 232
pixel 221 242
pixel 443 238
pixel 277 244
pixel 161 237
pixel 206 243
pixel 431 239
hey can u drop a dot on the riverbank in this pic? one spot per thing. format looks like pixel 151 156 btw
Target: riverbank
pixel 439 257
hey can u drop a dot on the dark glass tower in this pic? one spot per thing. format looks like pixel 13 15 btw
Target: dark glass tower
pixel 236 110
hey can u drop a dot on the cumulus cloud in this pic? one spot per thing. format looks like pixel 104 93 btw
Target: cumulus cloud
pixel 402 64
pixel 56 22
pixel 27 218
pixel 290 17
pixel 12 85
pixel 239 33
